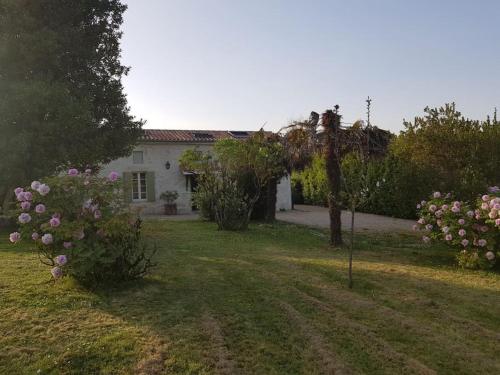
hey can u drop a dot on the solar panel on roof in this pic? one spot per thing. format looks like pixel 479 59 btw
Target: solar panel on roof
pixel 237 133
pixel 202 135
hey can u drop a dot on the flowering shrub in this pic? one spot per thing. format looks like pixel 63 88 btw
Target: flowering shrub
pixel 474 229
pixel 80 227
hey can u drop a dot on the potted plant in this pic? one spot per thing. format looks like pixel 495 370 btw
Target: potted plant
pixel 170 206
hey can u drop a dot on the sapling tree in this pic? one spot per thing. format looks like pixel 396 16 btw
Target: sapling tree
pixel 354 193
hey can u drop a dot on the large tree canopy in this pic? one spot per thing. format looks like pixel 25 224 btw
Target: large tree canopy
pixel 61 96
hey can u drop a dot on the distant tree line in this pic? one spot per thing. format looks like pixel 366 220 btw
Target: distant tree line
pixel 441 150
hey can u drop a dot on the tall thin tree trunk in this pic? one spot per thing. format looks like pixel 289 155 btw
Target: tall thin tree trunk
pixel 353 209
pixel 331 123
pixel 272 190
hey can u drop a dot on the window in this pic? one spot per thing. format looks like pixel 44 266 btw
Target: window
pixel 137 157
pixel 139 190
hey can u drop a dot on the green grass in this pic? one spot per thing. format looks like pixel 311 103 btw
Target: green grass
pixel 272 300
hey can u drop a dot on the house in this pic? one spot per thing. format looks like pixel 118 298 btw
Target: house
pixel 153 168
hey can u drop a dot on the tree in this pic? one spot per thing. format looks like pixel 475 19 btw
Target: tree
pixel 355 192
pixel 61 96
pixel 462 154
pixel 331 123
pixel 233 179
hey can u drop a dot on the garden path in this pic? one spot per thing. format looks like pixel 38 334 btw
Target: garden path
pixel 318 217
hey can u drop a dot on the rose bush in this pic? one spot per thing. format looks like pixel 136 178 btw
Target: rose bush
pixel 81 227
pixel 474 229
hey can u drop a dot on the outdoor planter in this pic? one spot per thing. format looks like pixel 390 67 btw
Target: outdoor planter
pixel 170 208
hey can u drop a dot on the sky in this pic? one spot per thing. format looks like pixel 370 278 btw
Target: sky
pixel 241 65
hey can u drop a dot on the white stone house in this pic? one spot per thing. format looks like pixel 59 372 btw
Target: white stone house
pixel 153 168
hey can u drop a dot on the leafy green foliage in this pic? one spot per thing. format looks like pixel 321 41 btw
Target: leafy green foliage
pixel 232 181
pixel 81 228
pixel 169 196
pixel 459 154
pixel 62 99
pixel 313 182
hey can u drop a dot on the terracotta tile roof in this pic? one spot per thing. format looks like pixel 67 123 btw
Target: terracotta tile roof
pixel 202 136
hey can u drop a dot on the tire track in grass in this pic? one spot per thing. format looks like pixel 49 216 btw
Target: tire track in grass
pixel 329 363
pixel 153 358
pixel 220 356
pixel 383 348
pixel 409 365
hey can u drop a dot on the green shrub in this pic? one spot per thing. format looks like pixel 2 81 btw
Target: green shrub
pixel 81 227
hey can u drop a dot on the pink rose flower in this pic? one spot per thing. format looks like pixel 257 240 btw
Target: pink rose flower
pixel 482 242
pixel 35 236
pixel 493 214
pixel 54 222
pixel 437 194
pixel 490 255
pixel 43 189
pixel 461 221
pixel 35 185
pixel 455 209
pixel 15 237
pixel 446 229
pixel 423 203
pixel 444 207
pixel 61 260
pixel 47 239
pixel 464 242
pixel 25 206
pixel 56 272
pixel 419 206
pixel 485 198
pixel 432 208
pixel 40 208
pixel 24 218
pixel 484 229
pixel 428 227
pixel 421 221
pixel 461 232
pixel 73 172
pixel 18 190
pixel 27 196
pixel 113 176
pixel 497 222
pixel 485 206
pixel 439 213
pixel 448 237
pixel 470 213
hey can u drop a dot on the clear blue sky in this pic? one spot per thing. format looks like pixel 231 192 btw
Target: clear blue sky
pixel 235 64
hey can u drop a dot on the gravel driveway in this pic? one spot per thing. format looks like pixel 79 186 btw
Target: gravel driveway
pixel 318 217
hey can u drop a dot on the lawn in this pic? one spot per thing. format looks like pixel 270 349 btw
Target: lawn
pixel 272 300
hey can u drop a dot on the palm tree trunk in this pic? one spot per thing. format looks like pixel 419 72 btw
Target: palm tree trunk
pixel 353 209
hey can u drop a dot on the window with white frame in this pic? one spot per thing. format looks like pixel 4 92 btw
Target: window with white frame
pixel 139 189
pixel 137 157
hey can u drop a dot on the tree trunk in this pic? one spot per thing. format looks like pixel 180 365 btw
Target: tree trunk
pixel 272 190
pixel 353 209
pixel 331 123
